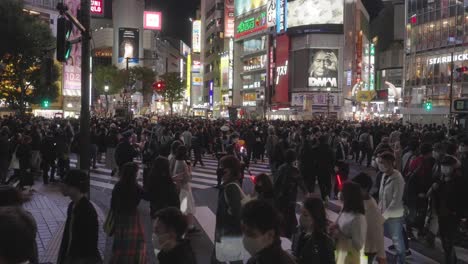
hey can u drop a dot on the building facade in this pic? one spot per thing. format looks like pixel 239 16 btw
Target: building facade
pixel 435 54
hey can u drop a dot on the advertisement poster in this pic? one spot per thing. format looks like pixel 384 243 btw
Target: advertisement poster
pixel 317 99
pixel 152 20
pixel 72 68
pixel 282 77
pixel 196 36
pixel 271 13
pixel 317 12
pixel 129 45
pixel 229 18
pixel 97 8
pixel 323 68
pixel 244 6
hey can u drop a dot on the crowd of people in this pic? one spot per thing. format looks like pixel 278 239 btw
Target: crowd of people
pixel 410 186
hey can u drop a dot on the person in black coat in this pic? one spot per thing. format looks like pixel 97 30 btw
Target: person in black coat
pixel 125 152
pixel 23 153
pixel 324 162
pixel 80 236
pixel 162 191
pixel 4 154
pixel 311 243
pixel 48 152
pixel 169 229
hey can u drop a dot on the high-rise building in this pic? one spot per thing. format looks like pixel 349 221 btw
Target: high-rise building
pixel 435 57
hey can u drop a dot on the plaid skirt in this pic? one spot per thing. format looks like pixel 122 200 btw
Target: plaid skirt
pixel 129 241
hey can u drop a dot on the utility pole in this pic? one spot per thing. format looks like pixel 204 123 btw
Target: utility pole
pixel 451 90
pixel 85 85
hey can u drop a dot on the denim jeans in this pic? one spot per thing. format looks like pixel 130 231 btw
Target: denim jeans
pixel 393 228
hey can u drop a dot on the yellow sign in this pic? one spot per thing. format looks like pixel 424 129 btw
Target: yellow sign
pixel 365 96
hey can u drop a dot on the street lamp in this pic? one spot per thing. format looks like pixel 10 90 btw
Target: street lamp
pixel 106 91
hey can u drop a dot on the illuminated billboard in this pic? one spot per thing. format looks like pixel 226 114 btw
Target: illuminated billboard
pixel 97 8
pixel 129 45
pixel 314 12
pixel 229 18
pixel 72 68
pixel 245 6
pixel 196 36
pixel 323 68
pixel 251 24
pixel 152 20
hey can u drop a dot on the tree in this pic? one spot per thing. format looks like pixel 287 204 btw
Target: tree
pixel 146 76
pixel 174 88
pixel 108 75
pixel 28 74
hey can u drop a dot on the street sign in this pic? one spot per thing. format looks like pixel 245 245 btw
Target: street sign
pixel 460 105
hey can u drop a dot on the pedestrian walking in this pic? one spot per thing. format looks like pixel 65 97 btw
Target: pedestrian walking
pixel 80 236
pixel 169 229
pixel 311 243
pixel 129 242
pixel 350 228
pixel 261 234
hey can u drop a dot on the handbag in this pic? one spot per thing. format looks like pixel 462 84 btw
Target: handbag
pixel 109 223
pixel 14 163
pixel 230 248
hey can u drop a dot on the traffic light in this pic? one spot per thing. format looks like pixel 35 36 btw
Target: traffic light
pixel 428 105
pixel 159 86
pixel 64 46
pixel 45 103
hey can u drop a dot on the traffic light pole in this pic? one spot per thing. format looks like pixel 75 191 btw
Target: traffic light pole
pixel 85 71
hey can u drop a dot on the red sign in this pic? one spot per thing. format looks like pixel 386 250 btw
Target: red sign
pixel 281 75
pixel 97 7
pixel 229 18
pixel 152 20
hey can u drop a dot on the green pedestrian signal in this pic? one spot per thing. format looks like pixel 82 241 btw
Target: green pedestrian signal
pixel 45 103
pixel 64 46
pixel 428 106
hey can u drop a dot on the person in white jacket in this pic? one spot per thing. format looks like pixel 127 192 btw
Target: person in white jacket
pixel 350 228
pixel 391 202
pixel 374 247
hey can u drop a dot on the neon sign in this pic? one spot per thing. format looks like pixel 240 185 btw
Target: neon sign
pixel 251 25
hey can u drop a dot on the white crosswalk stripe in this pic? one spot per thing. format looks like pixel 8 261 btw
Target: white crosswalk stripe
pixel 203 177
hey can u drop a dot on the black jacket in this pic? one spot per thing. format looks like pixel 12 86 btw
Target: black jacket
pixel 181 254
pixel 124 153
pixel 273 254
pixel 84 234
pixel 317 248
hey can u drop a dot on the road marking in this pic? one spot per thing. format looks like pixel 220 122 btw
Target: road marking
pixel 207 220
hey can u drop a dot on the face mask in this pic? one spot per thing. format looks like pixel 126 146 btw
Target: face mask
pixel 446 170
pixel 161 240
pixel 253 245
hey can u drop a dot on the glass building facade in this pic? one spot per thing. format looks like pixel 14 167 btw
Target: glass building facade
pixel 436 39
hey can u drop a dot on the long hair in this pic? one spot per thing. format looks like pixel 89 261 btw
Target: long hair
pixel 316 209
pixel 352 198
pixel 160 174
pixel 128 182
pixel 265 181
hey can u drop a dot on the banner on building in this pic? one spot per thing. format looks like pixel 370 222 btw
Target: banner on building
pixel 72 68
pixel 314 12
pixel 317 99
pixel 271 13
pixel 129 45
pixel 365 96
pixel 229 24
pixel 281 75
pixel 196 36
pixel 323 69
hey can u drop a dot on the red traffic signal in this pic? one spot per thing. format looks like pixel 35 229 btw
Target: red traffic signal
pixel 159 86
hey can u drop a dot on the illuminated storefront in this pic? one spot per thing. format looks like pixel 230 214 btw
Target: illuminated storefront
pixel 436 32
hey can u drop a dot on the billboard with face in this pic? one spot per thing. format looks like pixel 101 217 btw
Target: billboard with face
pixel 129 44
pixel 314 12
pixel 72 68
pixel 323 68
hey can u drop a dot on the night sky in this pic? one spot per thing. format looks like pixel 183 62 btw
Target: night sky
pixel 175 17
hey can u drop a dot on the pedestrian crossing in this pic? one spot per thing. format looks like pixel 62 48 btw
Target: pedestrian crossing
pixel 203 177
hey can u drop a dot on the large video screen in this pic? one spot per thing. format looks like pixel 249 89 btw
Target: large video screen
pixel 314 12
pixel 244 6
pixel 323 68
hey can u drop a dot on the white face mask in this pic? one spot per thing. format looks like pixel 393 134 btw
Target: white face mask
pixel 446 170
pixel 253 245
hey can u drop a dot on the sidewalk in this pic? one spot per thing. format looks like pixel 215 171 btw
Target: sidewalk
pixel 49 208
